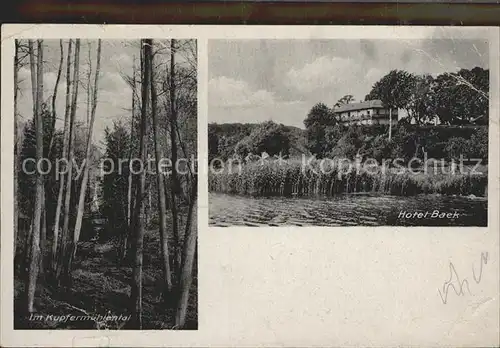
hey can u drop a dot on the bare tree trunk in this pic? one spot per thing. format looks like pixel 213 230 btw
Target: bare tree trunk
pixel 175 181
pixel 136 291
pixel 189 251
pixel 390 123
pixel 127 233
pixel 27 246
pixel 129 243
pixel 89 88
pixel 129 190
pixel 129 199
pixel 167 278
pixel 27 249
pixel 65 238
pixel 65 156
pixel 43 232
pixel 16 145
pixel 83 188
pixel 149 207
pixel 35 241
pixel 166 185
pixel 33 77
pixel 54 98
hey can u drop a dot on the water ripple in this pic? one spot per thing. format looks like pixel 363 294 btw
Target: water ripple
pixel 344 210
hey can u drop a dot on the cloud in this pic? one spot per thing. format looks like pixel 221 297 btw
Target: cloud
pixel 321 73
pixel 228 92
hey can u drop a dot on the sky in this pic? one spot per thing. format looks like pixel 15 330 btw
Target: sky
pixel 253 81
pixel 114 99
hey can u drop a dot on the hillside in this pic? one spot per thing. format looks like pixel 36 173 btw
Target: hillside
pixel 226 139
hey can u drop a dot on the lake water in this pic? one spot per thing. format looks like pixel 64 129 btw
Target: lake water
pixel 345 210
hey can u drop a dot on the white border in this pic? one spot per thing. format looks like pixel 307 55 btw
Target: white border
pixel 302 286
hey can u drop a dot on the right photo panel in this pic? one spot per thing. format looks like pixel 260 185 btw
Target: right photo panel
pixel 344 132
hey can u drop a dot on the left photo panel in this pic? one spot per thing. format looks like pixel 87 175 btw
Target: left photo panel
pixel 105 184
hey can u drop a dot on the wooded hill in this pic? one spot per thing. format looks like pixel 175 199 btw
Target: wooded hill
pixel 228 139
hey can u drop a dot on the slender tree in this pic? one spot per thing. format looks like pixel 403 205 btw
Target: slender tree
pixel 35 241
pixel 129 178
pixel 54 98
pixel 136 286
pixel 125 236
pixel 33 76
pixel 175 181
pixel 64 156
pixel 89 79
pixel 65 238
pixel 83 187
pixel 188 257
pixel 161 193
pixel 43 230
pixel 31 53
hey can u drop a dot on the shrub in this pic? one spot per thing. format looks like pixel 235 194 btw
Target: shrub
pixel 457 147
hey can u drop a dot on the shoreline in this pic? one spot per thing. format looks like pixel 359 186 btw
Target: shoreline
pixel 353 194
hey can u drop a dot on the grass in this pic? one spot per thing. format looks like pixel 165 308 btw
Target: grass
pixel 294 179
pixel 101 285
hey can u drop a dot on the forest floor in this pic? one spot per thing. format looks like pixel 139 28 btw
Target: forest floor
pixel 101 286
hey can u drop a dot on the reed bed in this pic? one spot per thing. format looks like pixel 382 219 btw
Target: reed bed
pixel 315 179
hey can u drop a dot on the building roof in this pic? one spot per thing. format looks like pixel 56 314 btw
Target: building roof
pixel 370 104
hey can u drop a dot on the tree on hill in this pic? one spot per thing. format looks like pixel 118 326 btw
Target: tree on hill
pixel 320 114
pixel 347 99
pixel 394 90
pixel 420 105
pixel 318 119
pixel 462 97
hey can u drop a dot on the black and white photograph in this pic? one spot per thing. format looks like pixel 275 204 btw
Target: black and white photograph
pixel 105 184
pixel 348 132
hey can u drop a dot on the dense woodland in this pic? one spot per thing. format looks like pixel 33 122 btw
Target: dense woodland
pixel 459 101
pixel 123 242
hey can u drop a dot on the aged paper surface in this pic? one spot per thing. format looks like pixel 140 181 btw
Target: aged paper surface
pixel 344 262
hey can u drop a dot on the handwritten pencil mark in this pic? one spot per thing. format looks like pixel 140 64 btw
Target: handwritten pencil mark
pixel 484 260
pixel 461 286
pixel 449 284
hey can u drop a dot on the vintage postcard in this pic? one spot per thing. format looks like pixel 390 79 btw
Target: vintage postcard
pixel 340 185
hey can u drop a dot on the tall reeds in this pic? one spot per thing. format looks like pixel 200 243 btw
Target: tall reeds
pixel 293 178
